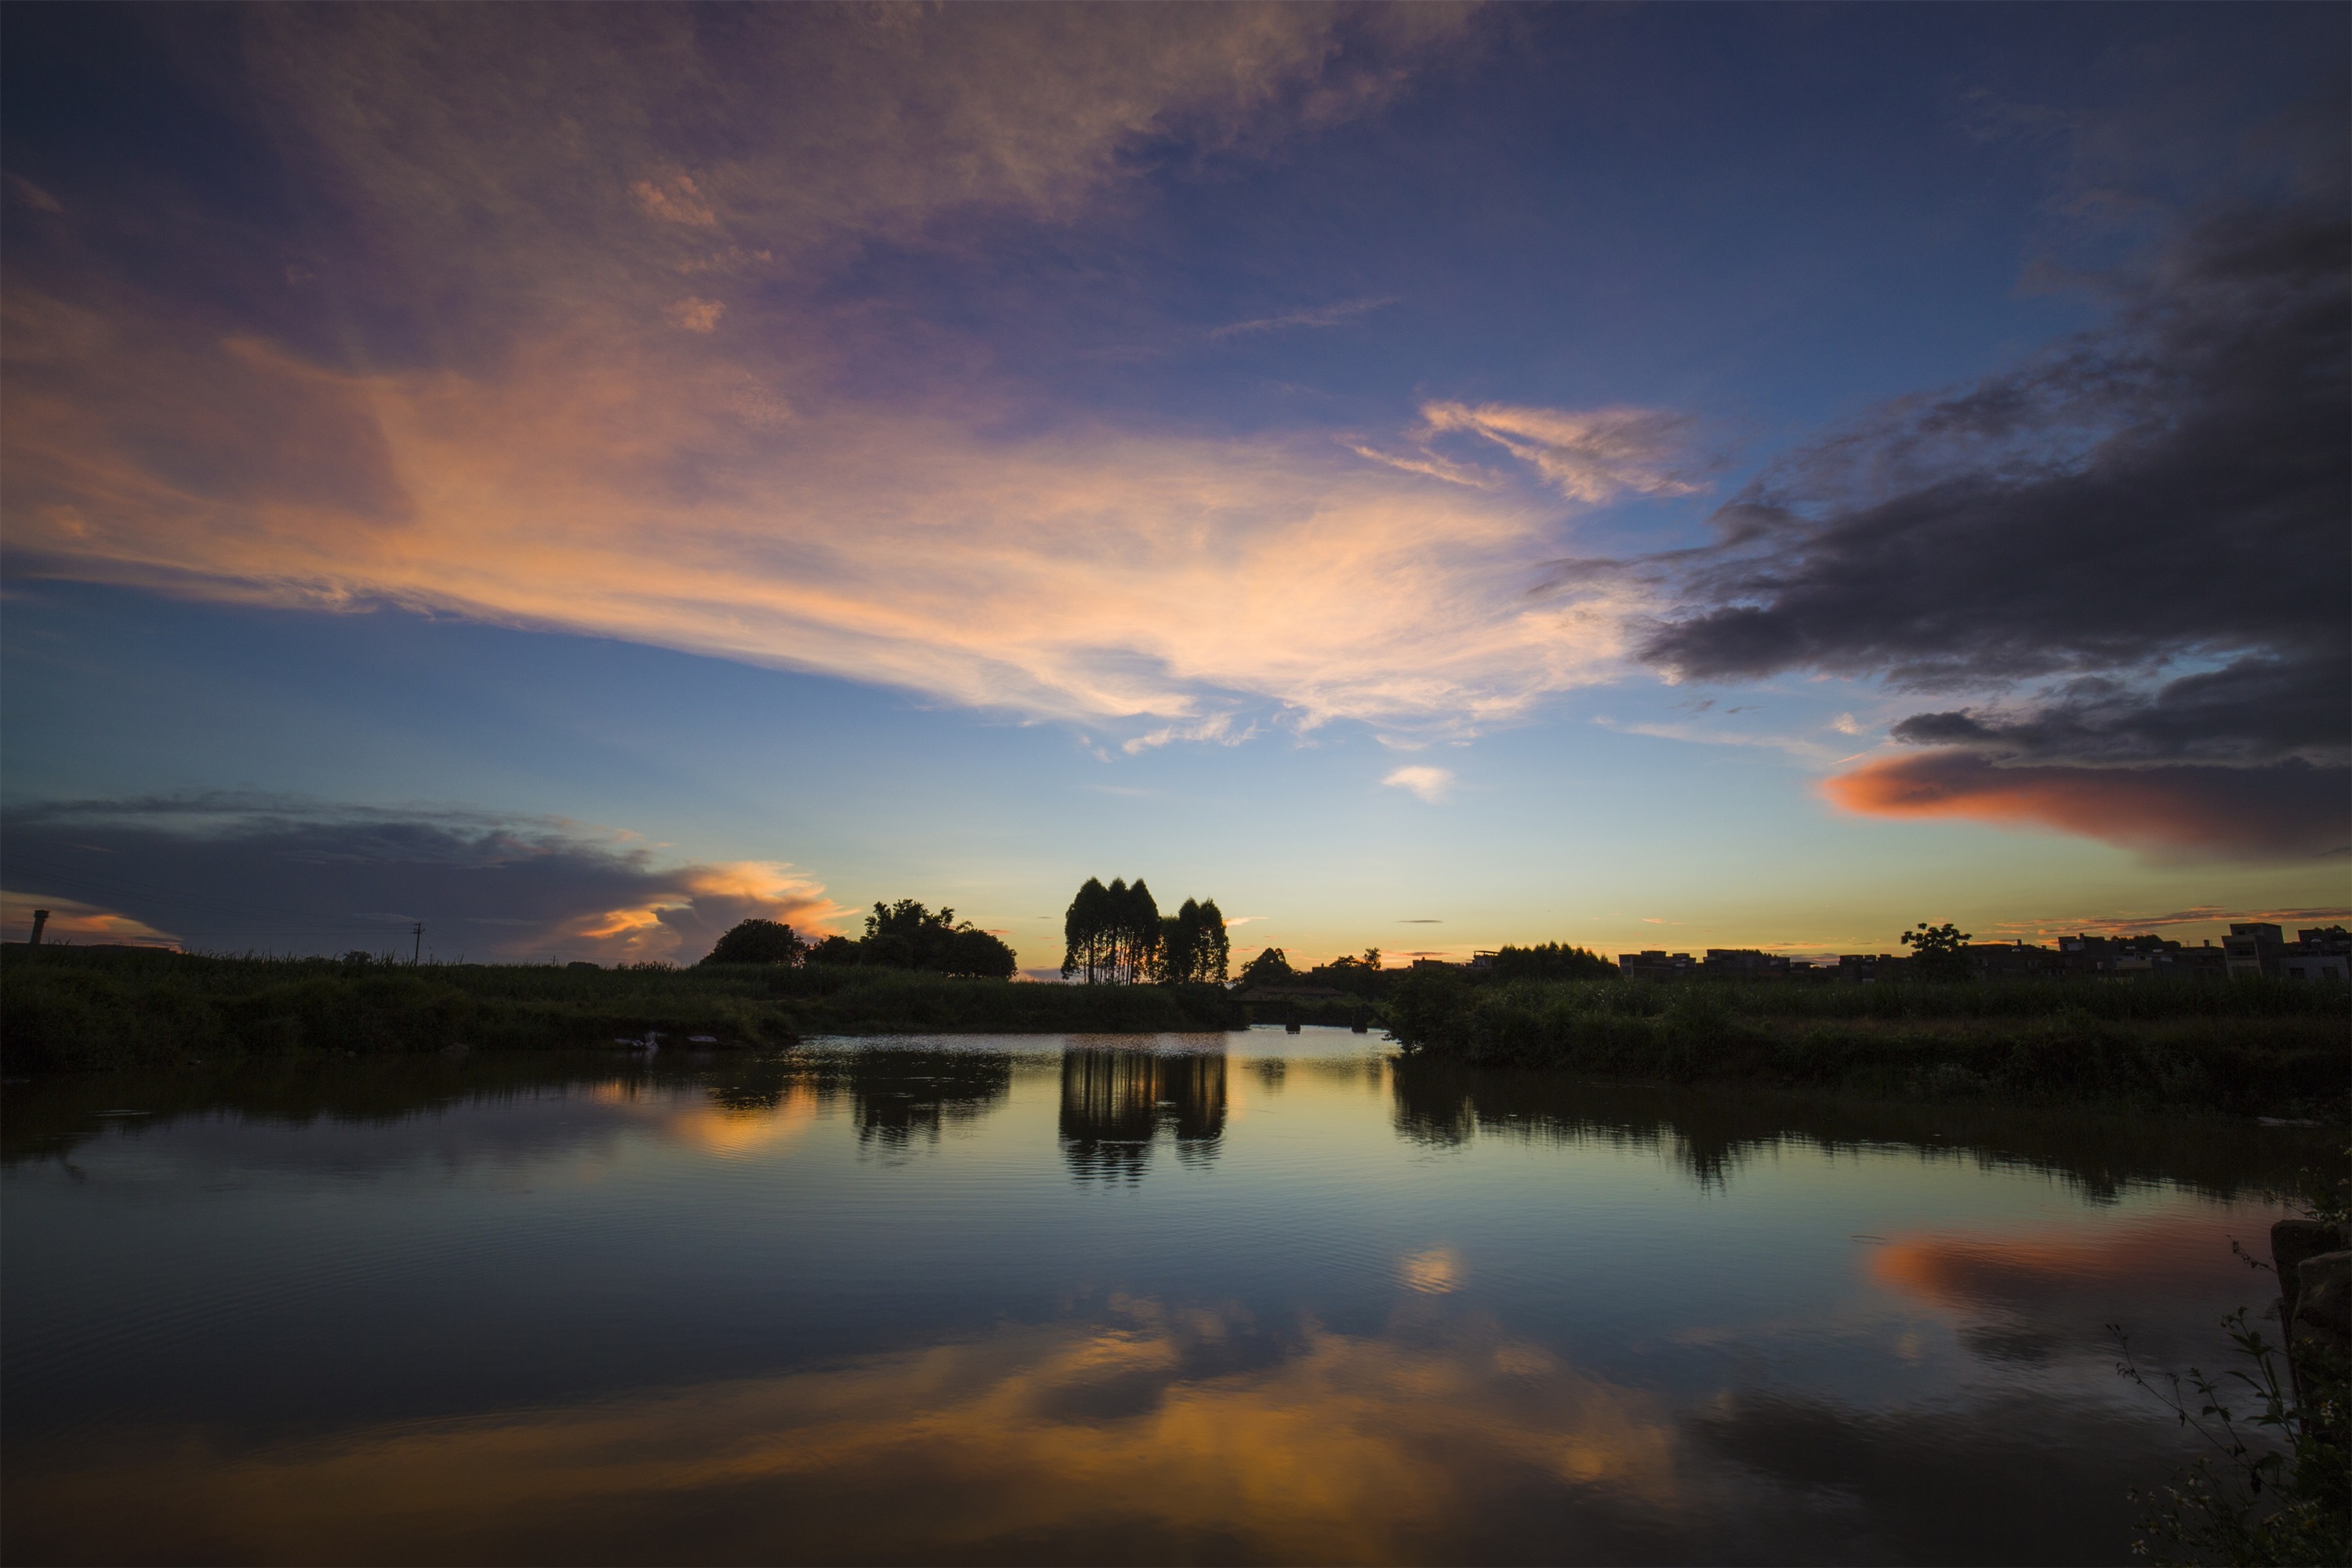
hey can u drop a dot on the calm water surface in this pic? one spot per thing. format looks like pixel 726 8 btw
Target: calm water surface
pixel 1240 1298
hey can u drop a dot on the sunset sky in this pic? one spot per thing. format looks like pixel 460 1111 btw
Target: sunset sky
pixel 1427 477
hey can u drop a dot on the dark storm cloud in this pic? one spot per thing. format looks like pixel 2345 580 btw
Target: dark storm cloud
pixel 2170 484
pixel 277 874
pixel 2172 487
pixel 2254 709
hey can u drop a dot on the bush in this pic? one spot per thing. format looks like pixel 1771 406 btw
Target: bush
pixel 758 942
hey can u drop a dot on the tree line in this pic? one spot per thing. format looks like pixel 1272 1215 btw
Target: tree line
pixel 901 935
pixel 1117 936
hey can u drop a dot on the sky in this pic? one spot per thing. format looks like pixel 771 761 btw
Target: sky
pixel 1424 477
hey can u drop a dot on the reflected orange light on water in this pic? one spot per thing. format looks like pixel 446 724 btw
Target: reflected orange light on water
pixel 2158 1252
pixel 1349 1448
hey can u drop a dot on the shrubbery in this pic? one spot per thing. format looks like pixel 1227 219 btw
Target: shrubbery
pixel 2241 1046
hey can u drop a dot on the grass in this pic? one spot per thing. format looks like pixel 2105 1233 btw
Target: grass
pixel 2259 1047
pixel 65 1008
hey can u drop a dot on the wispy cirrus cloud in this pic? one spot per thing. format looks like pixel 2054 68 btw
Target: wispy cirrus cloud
pixel 1092 572
pixel 1593 455
pixel 1318 316
pixel 557 436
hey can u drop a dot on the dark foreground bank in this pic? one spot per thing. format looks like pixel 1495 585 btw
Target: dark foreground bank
pixel 2250 1047
pixel 65 1008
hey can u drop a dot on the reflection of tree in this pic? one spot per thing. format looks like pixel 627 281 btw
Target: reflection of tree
pixel 898 1094
pixel 1114 1104
pixel 1712 1131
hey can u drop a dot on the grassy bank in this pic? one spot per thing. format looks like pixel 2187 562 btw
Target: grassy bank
pixel 2267 1048
pixel 65 1008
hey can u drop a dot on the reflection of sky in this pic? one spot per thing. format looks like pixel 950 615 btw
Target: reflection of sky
pixel 633 1310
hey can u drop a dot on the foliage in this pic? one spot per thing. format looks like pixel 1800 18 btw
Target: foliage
pixel 1939 953
pixel 905 935
pixel 1270 967
pixel 66 1008
pixel 2277 1488
pixel 1193 947
pixel 2245 1045
pixel 1117 935
pixel 1111 935
pixel 835 950
pixel 1550 960
pixel 758 942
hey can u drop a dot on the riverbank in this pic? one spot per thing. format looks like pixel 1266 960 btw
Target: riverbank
pixel 2248 1047
pixel 65 1009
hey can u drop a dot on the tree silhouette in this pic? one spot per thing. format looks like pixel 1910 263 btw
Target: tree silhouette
pixel 1084 931
pixel 1939 953
pixel 1139 932
pixel 1550 960
pixel 1215 953
pixel 908 935
pixel 1117 935
pixel 1193 949
pixel 1270 967
pixel 757 942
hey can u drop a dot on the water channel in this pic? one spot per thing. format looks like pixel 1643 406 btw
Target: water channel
pixel 1228 1298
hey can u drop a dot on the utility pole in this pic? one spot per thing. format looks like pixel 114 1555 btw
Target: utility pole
pixel 40 919
pixel 418 951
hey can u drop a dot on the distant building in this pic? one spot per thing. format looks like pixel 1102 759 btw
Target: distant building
pixel 1654 963
pixel 1744 963
pixel 2253 948
pixel 1864 968
pixel 2014 961
pixel 2129 956
pixel 2295 964
pixel 2322 952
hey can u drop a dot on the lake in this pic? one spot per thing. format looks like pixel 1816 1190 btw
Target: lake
pixel 1224 1298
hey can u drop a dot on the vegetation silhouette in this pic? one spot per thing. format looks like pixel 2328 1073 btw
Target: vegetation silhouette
pixel 901 935
pixel 1939 953
pixel 758 942
pixel 2247 1046
pixel 2276 1488
pixel 1117 935
pixel 79 1008
pixel 1549 960
pixel 1270 967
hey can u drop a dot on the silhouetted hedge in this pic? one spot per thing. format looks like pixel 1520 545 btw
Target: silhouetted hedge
pixel 2239 1045
pixel 64 1008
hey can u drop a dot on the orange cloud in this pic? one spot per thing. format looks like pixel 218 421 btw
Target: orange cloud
pixel 2286 812
pixel 72 921
pixel 701 903
pixel 1094 573
pixel 550 450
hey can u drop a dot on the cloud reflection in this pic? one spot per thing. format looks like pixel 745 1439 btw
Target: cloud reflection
pixel 1174 1427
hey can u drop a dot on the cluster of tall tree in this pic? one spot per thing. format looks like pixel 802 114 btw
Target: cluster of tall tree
pixel 903 935
pixel 1550 960
pixel 1117 935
